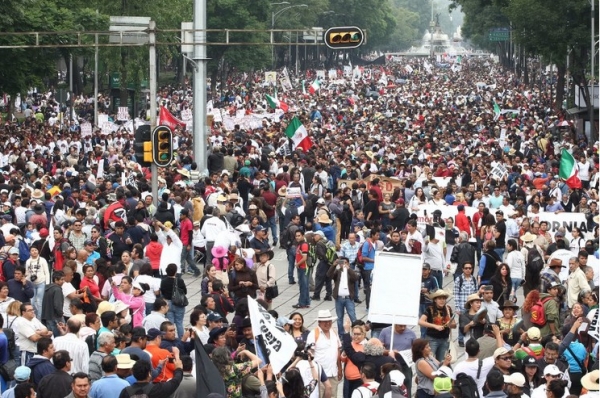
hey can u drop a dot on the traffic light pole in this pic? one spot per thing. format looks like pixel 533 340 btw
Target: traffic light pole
pixel 199 127
pixel 153 88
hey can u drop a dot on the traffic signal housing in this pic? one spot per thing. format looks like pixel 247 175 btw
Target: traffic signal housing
pixel 162 146
pixel 143 145
pixel 345 37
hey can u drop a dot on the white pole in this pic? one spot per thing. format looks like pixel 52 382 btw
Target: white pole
pixel 153 89
pixel 200 59
pixel 96 80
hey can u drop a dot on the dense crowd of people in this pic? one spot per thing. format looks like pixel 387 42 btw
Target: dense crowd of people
pixel 92 298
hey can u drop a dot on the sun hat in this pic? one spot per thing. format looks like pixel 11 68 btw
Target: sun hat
pixel 325 315
pixel 589 381
pixel 439 293
pixel 104 306
pixel 324 219
pixel 124 361
pixel 501 351
pixel 471 298
pixel 120 306
pixel 270 253
pixel 528 237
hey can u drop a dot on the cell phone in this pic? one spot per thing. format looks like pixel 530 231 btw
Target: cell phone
pixel 171 359
pixel 425 212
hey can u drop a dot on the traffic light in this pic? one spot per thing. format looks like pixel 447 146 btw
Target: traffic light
pixel 143 145
pixel 344 37
pixel 162 146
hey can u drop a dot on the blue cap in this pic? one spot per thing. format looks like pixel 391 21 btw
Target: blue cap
pixel 260 228
pixel 22 373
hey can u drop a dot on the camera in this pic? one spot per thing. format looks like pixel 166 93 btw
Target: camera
pixel 33 278
pixel 171 359
pixel 303 353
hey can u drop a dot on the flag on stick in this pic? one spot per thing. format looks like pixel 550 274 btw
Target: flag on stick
pixel 568 170
pixel 297 132
pixel 275 103
pixel 314 87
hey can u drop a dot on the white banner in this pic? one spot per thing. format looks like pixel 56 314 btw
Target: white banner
pixel 347 70
pixel 86 129
pixel 286 83
pixel 321 75
pixel 123 114
pixel 279 344
pixel 332 74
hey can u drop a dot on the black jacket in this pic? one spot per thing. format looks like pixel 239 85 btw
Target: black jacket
pixel 461 254
pixel 52 304
pixel 158 390
pixel 359 358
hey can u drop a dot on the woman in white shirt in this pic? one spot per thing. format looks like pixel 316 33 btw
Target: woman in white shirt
pixel 516 262
pixel 37 272
pixel 146 276
pixel 198 322
pixel 578 242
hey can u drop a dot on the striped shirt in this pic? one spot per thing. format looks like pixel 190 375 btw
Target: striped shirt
pixel 350 251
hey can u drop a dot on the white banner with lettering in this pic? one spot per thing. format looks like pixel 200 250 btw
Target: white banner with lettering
pixel 279 344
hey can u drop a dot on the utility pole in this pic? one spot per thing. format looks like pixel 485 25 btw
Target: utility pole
pixel 96 78
pixel 153 88
pixel 200 83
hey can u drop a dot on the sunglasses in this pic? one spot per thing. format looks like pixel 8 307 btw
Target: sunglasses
pixel 505 358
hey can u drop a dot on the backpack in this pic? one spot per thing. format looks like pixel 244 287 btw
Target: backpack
pixel 139 392
pixel 331 254
pixel 417 247
pixel 236 219
pixel 466 385
pixel 538 313
pixel 366 392
pixel 311 258
pixel 359 256
pixel 535 262
pixel 23 251
pixel 356 201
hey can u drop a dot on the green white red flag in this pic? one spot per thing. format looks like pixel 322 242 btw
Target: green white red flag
pixel 568 170
pixel 298 134
pixel 274 103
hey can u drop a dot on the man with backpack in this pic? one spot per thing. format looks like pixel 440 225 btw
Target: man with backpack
pixel 322 247
pixel 545 314
pixel 369 386
pixel 288 242
pixel 534 262
pixel 473 367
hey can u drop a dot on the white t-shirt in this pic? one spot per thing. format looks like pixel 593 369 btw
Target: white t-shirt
pixel 24 329
pixel 470 368
pixel 67 288
pixel 154 283
pixel 307 376
pixel 540 392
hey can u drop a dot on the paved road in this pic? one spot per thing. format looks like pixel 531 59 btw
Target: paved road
pixel 288 296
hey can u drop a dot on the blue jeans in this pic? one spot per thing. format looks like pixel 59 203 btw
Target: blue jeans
pixel 321 279
pixel 439 277
pixel 175 315
pixel 366 278
pixel 500 252
pixel 422 307
pixel 38 296
pixel 187 256
pixel 52 325
pixel 304 298
pixel 516 283
pixel 439 347
pixel 347 303
pixel 291 257
pixel 461 335
pixel 272 223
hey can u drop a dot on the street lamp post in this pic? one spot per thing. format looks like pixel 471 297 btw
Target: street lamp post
pixel 274 15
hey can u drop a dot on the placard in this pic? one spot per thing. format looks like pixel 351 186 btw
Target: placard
pixel 294 192
pixel 123 114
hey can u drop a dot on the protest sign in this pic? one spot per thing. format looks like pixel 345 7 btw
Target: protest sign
pixel 271 78
pixel 279 344
pixel 396 279
pixel 123 114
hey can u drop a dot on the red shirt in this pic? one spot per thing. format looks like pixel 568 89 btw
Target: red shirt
pixel 91 284
pixel 300 251
pixel 186 227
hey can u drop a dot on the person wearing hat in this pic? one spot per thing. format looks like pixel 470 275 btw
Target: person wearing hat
pixel 324 223
pixel 591 383
pixel 438 319
pixel 131 294
pixel 532 255
pixel 265 274
pixel 472 321
pixel 110 385
pixel 326 346
pixel 551 373
pixel 158 354
pixel 442 386
pixel 343 278
pixel 21 376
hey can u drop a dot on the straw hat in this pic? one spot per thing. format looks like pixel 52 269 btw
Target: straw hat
pixel 528 237
pixel 590 381
pixel 324 219
pixel 282 191
pixel 439 293
pixel 470 299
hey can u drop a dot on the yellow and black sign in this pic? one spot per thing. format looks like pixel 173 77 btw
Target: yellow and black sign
pixel 162 146
pixel 344 37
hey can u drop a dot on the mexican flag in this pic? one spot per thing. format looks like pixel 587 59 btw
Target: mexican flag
pixel 568 170
pixel 297 132
pixel 314 87
pixel 497 111
pixel 275 103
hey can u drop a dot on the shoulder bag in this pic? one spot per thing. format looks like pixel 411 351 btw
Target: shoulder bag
pixel 272 291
